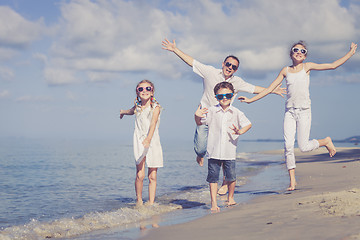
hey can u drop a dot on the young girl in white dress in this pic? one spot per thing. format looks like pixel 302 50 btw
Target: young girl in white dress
pixel 147 147
pixel 298 105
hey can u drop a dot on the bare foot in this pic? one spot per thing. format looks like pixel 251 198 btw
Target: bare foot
pixel 215 209
pixel 292 184
pixel 231 202
pixel 330 147
pixel 139 203
pixel 291 187
pixel 200 161
pixel 223 189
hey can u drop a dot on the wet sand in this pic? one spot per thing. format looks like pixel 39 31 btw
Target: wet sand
pixel 325 205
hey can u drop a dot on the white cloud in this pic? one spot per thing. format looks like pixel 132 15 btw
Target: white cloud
pixel 16 31
pixel 4 94
pixel 109 35
pixel 268 59
pixel 29 98
pixel 6 54
pixel 102 76
pixel 100 38
pixel 58 76
pixel 6 73
pixel 331 79
pixel 71 96
pixel 42 57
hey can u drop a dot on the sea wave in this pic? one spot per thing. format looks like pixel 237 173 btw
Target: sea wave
pixel 71 227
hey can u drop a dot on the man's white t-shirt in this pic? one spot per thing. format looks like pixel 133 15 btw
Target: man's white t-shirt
pixel 212 76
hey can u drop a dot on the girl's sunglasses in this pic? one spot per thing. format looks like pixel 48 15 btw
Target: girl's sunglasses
pixel 234 67
pixel 221 96
pixel 140 89
pixel 296 50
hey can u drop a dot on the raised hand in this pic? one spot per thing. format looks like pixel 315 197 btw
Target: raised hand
pixel 353 48
pixel 167 45
pixel 200 112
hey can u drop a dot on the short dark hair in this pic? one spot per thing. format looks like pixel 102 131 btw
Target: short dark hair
pixel 223 85
pixel 232 56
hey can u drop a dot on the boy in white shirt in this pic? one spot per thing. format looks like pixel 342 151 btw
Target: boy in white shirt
pixel 225 123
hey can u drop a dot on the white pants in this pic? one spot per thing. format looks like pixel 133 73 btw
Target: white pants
pixel 297 119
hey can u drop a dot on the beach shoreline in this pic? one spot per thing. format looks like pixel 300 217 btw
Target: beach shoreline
pixel 326 205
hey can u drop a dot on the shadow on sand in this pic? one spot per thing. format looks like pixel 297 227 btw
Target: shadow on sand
pixel 346 155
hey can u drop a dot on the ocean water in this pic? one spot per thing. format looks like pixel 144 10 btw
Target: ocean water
pixel 72 189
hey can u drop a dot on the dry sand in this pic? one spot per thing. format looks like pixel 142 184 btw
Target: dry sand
pixel 326 205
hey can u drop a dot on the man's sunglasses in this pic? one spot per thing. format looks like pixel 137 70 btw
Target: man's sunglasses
pixel 234 67
pixel 140 89
pixel 221 96
pixel 296 50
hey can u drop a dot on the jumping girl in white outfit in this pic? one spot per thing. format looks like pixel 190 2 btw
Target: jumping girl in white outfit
pixel 298 104
pixel 147 147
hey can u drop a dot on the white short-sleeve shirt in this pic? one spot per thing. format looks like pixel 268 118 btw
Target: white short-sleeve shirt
pixel 212 76
pixel 221 140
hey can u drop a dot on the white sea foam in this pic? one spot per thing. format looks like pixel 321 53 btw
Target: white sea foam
pixel 70 227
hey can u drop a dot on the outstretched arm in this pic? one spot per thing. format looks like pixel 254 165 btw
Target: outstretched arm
pixel 153 123
pixel 335 64
pixel 278 90
pixel 127 112
pixel 171 46
pixel 276 83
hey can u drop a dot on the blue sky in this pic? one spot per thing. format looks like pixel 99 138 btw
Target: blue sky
pixel 68 67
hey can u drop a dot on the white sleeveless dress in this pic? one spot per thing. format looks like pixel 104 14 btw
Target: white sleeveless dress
pixel 154 154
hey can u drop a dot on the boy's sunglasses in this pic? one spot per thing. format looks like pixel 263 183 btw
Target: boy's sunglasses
pixel 234 67
pixel 140 89
pixel 296 50
pixel 221 96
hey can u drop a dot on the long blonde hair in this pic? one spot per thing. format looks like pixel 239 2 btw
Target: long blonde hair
pixel 138 100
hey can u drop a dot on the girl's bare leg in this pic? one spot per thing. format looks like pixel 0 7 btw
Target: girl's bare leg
pixel 292 180
pixel 139 180
pixel 327 142
pixel 152 174
pixel 213 193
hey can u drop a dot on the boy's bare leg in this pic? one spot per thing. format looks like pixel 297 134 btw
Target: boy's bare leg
pixel 327 142
pixel 213 194
pixel 152 184
pixel 292 185
pixel 200 161
pixel 231 187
